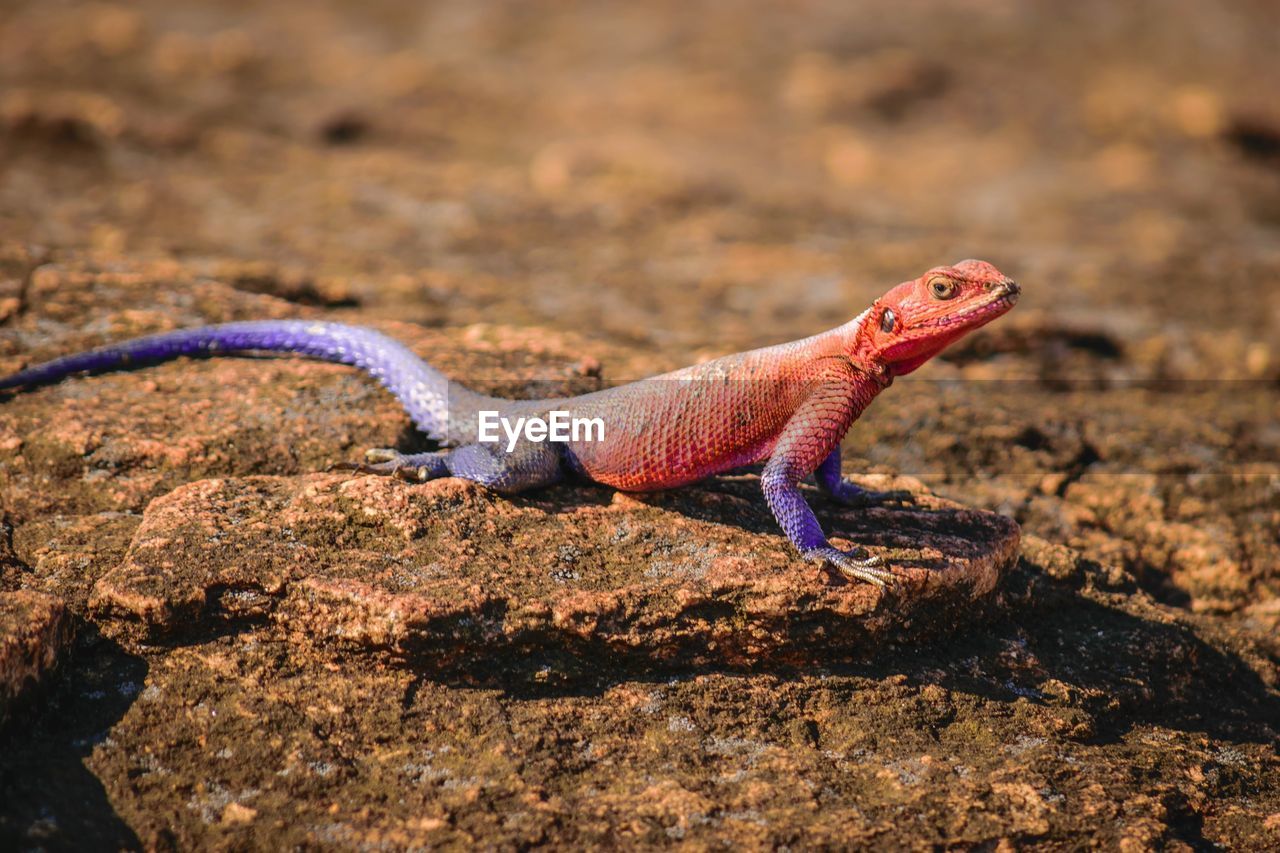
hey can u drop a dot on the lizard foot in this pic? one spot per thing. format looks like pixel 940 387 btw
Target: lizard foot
pixel 412 467
pixel 849 494
pixel 855 565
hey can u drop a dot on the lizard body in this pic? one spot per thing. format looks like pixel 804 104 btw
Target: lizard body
pixel 788 405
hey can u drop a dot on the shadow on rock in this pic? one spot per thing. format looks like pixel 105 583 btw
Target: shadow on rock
pixel 48 798
pixel 1127 662
pixel 1099 668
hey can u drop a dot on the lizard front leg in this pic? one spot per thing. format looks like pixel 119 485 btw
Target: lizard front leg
pixel 844 492
pixel 808 438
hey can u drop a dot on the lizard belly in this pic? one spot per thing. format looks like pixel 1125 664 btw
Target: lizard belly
pixel 643 473
pixel 659 434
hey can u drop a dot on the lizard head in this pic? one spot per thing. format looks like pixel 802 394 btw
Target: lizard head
pixel 919 319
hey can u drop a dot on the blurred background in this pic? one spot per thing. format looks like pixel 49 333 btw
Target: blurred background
pixel 696 176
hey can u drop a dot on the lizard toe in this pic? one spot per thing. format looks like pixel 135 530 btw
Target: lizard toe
pixel 412 473
pixel 874 575
pixel 384 469
pixel 410 467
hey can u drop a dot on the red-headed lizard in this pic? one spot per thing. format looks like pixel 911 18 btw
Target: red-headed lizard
pixel 788 405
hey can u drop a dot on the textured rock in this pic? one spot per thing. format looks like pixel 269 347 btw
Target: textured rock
pixel 34 632
pixel 446 571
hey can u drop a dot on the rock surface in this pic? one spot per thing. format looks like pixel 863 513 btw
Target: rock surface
pixel 34 631
pixel 445 570
pixel 545 198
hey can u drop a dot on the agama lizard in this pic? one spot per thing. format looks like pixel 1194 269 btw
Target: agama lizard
pixel 787 405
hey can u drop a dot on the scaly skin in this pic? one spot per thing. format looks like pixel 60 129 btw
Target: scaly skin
pixel 787 405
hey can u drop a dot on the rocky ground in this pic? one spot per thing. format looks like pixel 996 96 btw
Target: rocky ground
pixel 208 641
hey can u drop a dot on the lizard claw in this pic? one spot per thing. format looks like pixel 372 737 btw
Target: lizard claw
pixel 384 469
pixel 858 564
pixel 386 462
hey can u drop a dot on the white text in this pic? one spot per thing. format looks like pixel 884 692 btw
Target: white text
pixel 559 425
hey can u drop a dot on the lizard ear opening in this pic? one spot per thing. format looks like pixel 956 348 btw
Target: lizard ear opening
pixel 888 320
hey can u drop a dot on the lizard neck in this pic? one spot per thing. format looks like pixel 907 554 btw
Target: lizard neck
pixel 856 343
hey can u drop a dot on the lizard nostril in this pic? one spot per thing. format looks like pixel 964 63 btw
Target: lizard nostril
pixel 1004 285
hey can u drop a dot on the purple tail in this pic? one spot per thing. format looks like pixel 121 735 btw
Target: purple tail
pixel 421 389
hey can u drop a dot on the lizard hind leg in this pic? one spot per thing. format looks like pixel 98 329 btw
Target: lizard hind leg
pixel 386 462
pixel 527 466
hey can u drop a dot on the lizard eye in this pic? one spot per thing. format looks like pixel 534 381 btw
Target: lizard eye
pixel 888 320
pixel 942 287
